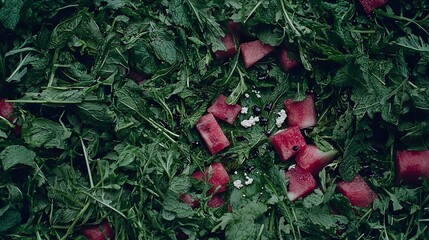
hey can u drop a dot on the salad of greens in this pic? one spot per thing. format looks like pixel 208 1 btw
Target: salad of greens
pixel 99 101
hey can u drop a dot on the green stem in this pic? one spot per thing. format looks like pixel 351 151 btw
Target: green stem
pixel 85 154
pixel 53 68
pixel 70 229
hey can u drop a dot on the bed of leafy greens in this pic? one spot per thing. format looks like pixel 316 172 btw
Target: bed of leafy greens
pixel 95 145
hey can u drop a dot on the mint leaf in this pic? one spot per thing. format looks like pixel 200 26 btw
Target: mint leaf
pixel 15 155
pixel 9 219
pixel 9 13
pixel 45 133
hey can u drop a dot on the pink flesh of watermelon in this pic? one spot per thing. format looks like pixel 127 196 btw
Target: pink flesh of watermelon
pixel 311 159
pixel 190 200
pixel 223 111
pixel 215 202
pixel 95 232
pixel 286 63
pixel 254 51
pixel 358 192
pixel 6 110
pixel 218 177
pixel 370 5
pixel 411 165
pixel 231 50
pixel 301 183
pixel 212 134
pixel 285 140
pixel 301 113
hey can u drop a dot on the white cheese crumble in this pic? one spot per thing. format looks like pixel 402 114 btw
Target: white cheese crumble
pixel 249 122
pixel 244 110
pixel 291 167
pixel 235 172
pixel 248 181
pixel 238 184
pixel 281 118
pixel 257 93
pixel 246 95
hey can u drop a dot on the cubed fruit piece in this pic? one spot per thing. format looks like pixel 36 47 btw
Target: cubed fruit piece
pixel 286 63
pixel 137 77
pixel 254 51
pixel 190 200
pixel 301 183
pixel 216 175
pixel 224 111
pixel 231 49
pixel 6 110
pixel 212 134
pixel 313 160
pixel 301 113
pixel 411 165
pixel 287 142
pixel 215 202
pixel 99 232
pixel 358 192
pixel 370 5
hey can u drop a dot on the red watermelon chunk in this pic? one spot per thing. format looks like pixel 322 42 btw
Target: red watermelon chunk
pixel 288 142
pixel 286 63
pixel 370 5
pixel 313 160
pixel 216 175
pixel 6 110
pixel 215 202
pixel 301 113
pixel 190 200
pixel 99 232
pixel 223 111
pixel 301 183
pixel 254 51
pixel 358 192
pixel 212 134
pixel 411 165
pixel 231 49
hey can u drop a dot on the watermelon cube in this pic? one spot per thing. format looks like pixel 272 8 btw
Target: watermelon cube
pixel 99 232
pixel 313 160
pixel 288 142
pixel 6 110
pixel 370 5
pixel 224 111
pixel 301 183
pixel 190 200
pixel 228 42
pixel 215 202
pixel 301 113
pixel 212 134
pixel 231 49
pixel 254 51
pixel 358 192
pixel 216 176
pixel 286 63
pixel 411 165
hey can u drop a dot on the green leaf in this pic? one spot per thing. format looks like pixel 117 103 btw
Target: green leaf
pixel 9 219
pixel 41 132
pixel 17 154
pixel 9 14
pixel 164 49
pixel 172 203
pixel 95 113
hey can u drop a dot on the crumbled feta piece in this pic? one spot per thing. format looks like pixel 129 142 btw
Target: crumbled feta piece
pixel 248 181
pixel 291 167
pixel 281 118
pixel 246 95
pixel 235 172
pixel 237 184
pixel 244 110
pixel 249 122
pixel 258 95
